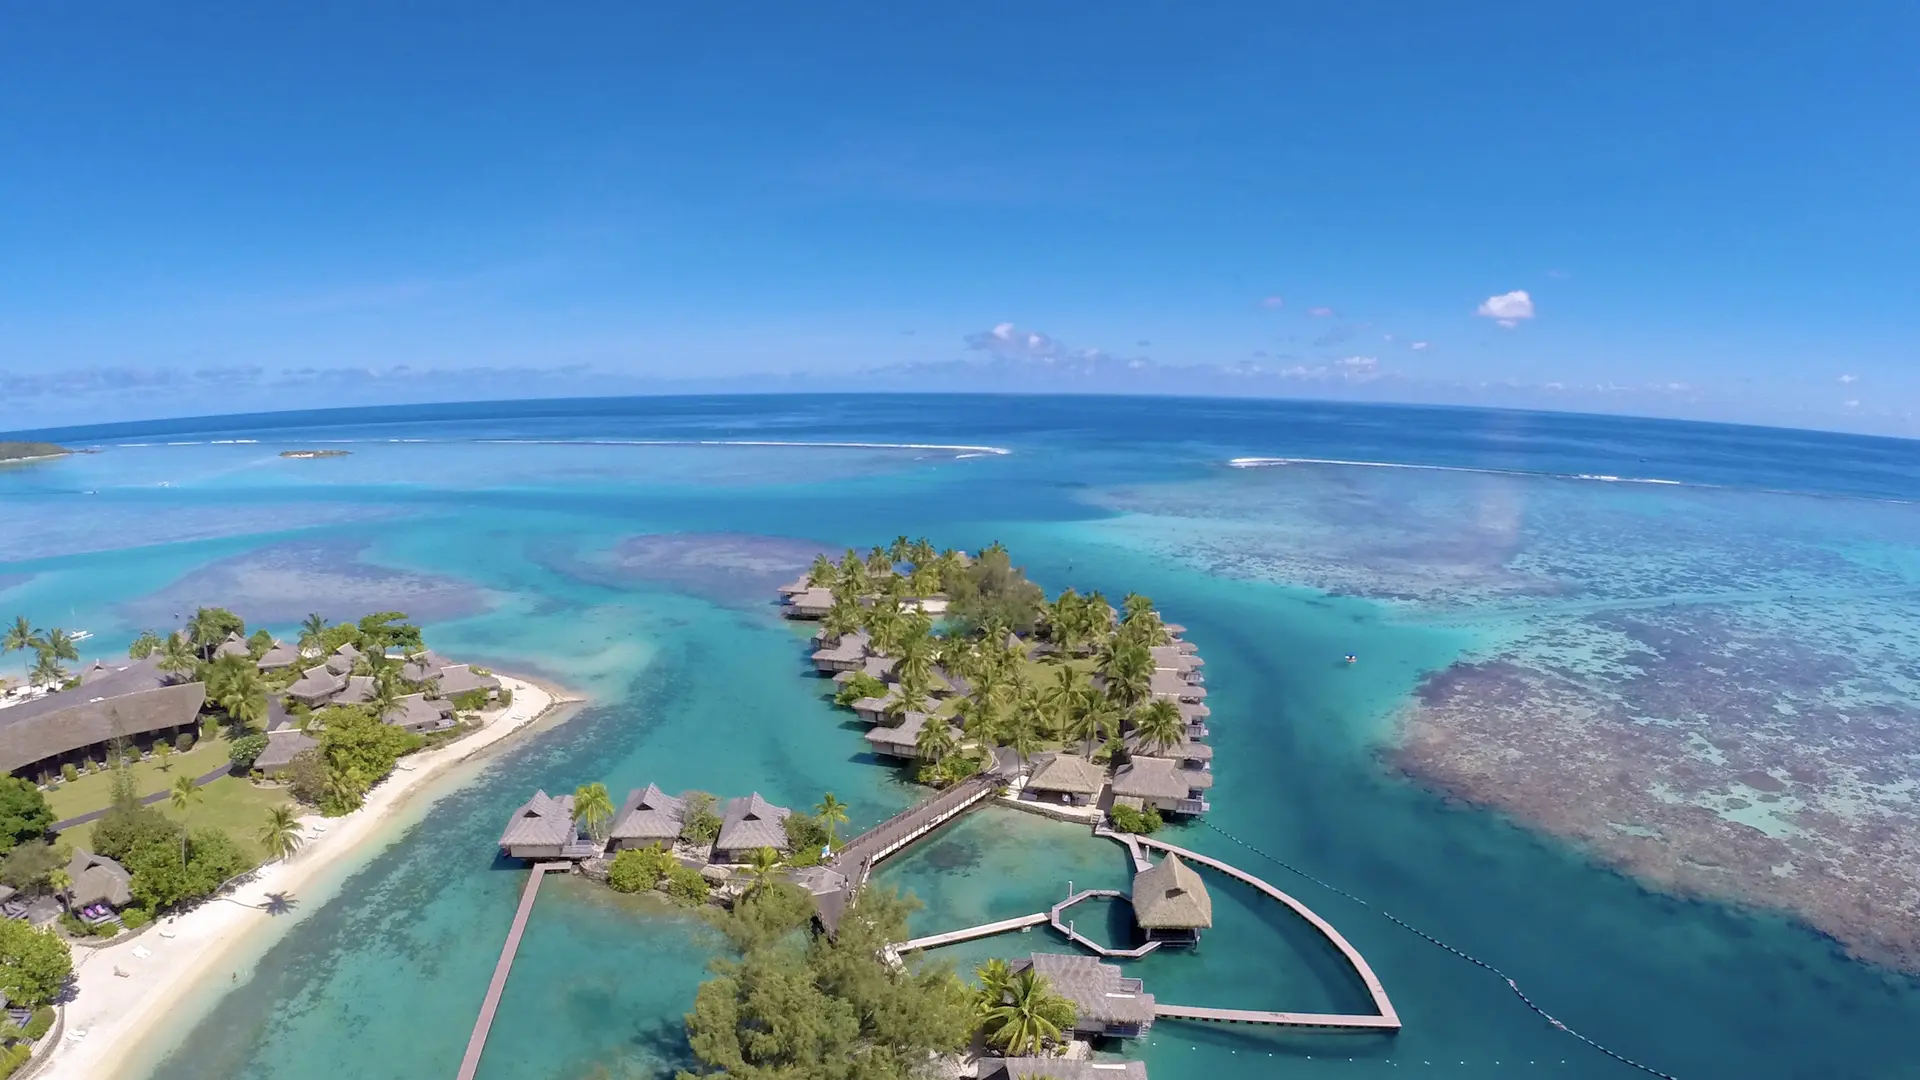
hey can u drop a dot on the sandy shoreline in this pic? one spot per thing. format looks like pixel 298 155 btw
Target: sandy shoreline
pixel 121 1016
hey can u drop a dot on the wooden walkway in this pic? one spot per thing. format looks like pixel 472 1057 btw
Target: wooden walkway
pixel 857 859
pixel 1066 929
pixel 951 937
pixel 477 1042
pixel 1386 1020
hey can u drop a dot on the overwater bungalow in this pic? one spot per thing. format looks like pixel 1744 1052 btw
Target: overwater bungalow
pixel 810 603
pixel 902 741
pixel 1173 658
pixel 280 655
pixel 317 686
pixel 877 667
pixel 1167 686
pixel 1065 778
pixel 748 823
pixel 95 881
pixel 1161 783
pixel 648 816
pixel 543 828
pixel 135 701
pixel 875 710
pixel 797 585
pixel 1195 714
pixel 1189 754
pixel 1105 1002
pixel 1050 1068
pixel 1170 902
pixel 846 654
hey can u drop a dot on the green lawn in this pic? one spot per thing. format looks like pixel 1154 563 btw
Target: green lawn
pixel 230 803
pixel 92 791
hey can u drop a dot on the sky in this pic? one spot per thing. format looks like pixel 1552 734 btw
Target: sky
pixel 1696 209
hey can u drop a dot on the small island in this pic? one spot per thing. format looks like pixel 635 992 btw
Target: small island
pixel 306 455
pixel 14 452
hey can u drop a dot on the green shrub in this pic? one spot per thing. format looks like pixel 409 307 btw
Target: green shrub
pixel 1128 820
pixel 41 1023
pixel 471 700
pixel 244 750
pixel 92 765
pixel 70 771
pixel 686 886
pixel 506 695
pixel 161 746
pixel 184 743
pixel 13 1057
pixel 136 917
pixel 640 869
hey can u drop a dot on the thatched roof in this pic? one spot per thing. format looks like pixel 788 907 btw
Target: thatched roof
pixel 358 691
pixel 97 880
pixel 235 645
pixel 1184 750
pixel 281 655
pixel 133 700
pixel 1170 686
pixel 904 737
pixel 317 685
pixel 283 745
pixel 752 822
pixel 1070 773
pixel 415 713
pixel 456 679
pixel 342 660
pixel 541 821
pixel 423 665
pixel 1158 778
pixel 649 814
pixel 1171 896
pixel 1101 995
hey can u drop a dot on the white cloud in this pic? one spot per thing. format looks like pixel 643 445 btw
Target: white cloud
pixel 1386 337
pixel 1360 364
pixel 1003 331
pixel 1320 312
pixel 1008 341
pixel 1418 346
pixel 1272 302
pixel 1507 309
pixel 1849 380
pixel 1853 404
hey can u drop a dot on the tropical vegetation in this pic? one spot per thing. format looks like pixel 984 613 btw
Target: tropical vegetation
pixel 1020 1012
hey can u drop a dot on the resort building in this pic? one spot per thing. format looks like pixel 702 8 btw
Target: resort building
pixel 748 823
pixel 847 653
pixel 809 603
pixel 1195 714
pixel 1162 784
pixel 358 691
pixel 1168 686
pixel 280 655
pixel 457 679
pixel 1170 902
pixel 283 745
pixel 1065 778
pixel 1105 1002
pixel 96 881
pixel 343 659
pixel 137 702
pixel 797 585
pixel 423 665
pixel 876 667
pixel 1047 1068
pixel 903 741
pixel 317 686
pixel 877 710
pixel 648 816
pixel 1175 659
pixel 235 645
pixel 418 714
pixel 543 828
pixel 1187 753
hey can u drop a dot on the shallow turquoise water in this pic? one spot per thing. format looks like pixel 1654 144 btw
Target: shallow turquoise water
pixel 694 688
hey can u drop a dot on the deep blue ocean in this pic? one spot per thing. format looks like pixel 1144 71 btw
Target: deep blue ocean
pixel 1634 718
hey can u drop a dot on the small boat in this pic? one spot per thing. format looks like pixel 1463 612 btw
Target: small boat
pixel 82 635
pixel 1350 658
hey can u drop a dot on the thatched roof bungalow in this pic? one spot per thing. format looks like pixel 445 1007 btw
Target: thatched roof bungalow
pixel 96 879
pixel 279 655
pixel 317 686
pixel 1105 1002
pixel 419 714
pixel 283 745
pixel 749 823
pixel 846 654
pixel 543 828
pixel 1163 784
pixel 1167 686
pixel 903 741
pixel 810 603
pixel 648 816
pixel 1190 754
pixel 1170 902
pixel 1065 778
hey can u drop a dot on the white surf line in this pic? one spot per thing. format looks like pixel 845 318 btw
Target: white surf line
pixel 1270 462
pixel 960 448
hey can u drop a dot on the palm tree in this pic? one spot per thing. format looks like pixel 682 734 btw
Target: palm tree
pixel 878 565
pixel 389 686
pixel 58 644
pixel 762 862
pixel 1062 700
pixel 593 807
pixel 236 685
pixel 935 740
pixel 19 636
pixel 1095 717
pixel 1160 725
pixel 899 549
pixel 921 553
pixel 1128 669
pixel 979 717
pixel 144 646
pixel 885 626
pixel 1018 734
pixel 995 978
pixel 281 834
pixel 314 625
pixel 176 656
pixel 924 581
pixel 821 574
pixel 910 695
pixel 183 793
pixel 47 671
pixel 916 659
pixel 832 813
pixel 843 617
pixel 1029 1016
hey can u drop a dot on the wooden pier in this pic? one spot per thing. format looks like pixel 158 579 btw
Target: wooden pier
pixel 857 859
pixel 1066 929
pixel 1387 1020
pixel 477 1042
pixel 951 937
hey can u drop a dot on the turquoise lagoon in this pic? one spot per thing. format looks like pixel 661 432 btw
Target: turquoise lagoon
pixel 600 545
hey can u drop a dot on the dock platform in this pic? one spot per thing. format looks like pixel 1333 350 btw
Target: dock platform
pixel 477 1042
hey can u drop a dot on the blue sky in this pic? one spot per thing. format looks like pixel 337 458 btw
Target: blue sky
pixel 1710 207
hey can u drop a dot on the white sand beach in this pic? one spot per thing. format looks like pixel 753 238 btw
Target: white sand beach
pixel 126 992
